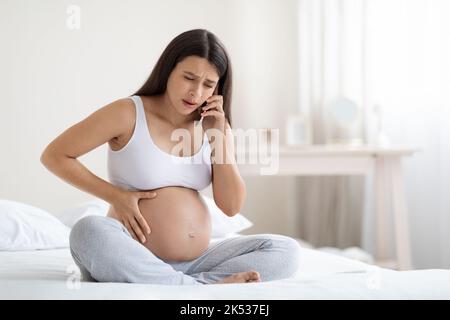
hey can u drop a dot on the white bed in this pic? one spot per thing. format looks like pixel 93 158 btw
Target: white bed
pixel 52 274
pixel 35 263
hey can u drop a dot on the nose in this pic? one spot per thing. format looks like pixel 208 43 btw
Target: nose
pixel 195 92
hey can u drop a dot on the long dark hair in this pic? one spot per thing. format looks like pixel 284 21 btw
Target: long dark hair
pixel 197 42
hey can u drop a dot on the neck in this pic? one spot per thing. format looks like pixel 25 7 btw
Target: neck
pixel 168 112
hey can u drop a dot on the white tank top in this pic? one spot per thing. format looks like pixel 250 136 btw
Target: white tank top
pixel 142 165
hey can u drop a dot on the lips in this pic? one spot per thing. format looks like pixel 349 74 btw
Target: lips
pixel 189 104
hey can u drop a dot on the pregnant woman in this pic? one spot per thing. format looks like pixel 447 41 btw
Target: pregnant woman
pixel 158 227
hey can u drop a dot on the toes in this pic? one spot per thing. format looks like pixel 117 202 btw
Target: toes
pixel 255 274
pixel 252 276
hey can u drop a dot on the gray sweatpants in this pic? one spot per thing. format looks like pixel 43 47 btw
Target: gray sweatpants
pixel 105 251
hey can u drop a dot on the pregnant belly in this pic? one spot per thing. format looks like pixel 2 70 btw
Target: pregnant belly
pixel 180 224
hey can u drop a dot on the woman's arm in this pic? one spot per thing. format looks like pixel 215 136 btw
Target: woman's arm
pixel 229 189
pixel 60 156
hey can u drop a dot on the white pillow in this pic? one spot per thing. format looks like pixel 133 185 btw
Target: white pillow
pixel 24 227
pixel 222 225
pixel 96 207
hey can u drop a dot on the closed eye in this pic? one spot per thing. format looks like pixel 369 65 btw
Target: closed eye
pixel 194 79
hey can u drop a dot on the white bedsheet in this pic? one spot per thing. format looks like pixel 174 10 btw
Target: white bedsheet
pixel 51 274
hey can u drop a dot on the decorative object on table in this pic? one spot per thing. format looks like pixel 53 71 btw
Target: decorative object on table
pixel 298 130
pixel 381 139
pixel 344 124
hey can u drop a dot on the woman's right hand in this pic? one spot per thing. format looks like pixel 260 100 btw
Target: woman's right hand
pixel 126 209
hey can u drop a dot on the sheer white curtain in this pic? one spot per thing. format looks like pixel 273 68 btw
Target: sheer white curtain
pixel 408 75
pixel 395 54
pixel 331 66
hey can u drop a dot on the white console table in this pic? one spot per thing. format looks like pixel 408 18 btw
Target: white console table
pixel 384 164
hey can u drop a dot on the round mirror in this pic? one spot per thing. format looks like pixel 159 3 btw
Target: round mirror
pixel 345 111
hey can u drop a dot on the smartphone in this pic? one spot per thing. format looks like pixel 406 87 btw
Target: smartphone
pixel 199 109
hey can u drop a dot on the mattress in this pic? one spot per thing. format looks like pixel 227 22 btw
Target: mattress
pixel 52 274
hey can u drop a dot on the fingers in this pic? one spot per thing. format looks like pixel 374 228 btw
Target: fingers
pixel 215 98
pixel 143 224
pixel 147 195
pixel 130 230
pixel 214 113
pixel 136 224
pixel 213 105
pixel 137 231
pixel 138 216
pixel 134 230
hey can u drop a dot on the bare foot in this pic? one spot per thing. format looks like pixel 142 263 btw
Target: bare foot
pixel 241 277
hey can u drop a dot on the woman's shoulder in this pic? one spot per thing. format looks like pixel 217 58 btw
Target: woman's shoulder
pixel 123 107
pixel 120 113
